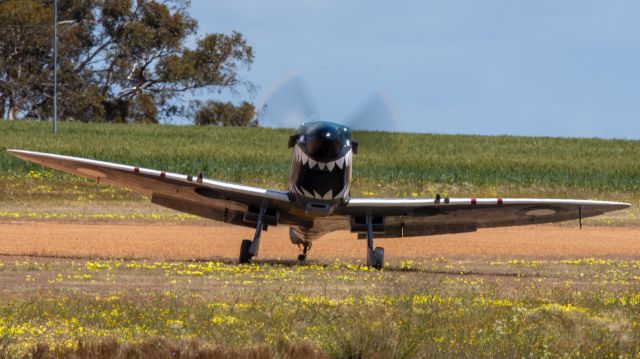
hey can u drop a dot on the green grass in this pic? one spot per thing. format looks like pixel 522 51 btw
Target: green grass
pixel 388 164
pixel 575 308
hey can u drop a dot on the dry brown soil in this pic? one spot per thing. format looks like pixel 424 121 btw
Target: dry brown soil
pixel 163 241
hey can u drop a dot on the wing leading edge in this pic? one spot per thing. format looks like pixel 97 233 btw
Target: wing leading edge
pixel 418 217
pixel 230 203
pixel 207 198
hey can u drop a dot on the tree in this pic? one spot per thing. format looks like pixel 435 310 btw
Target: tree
pixel 226 114
pixel 119 60
pixel 23 46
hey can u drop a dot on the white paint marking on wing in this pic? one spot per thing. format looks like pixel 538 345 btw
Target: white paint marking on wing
pixel 540 212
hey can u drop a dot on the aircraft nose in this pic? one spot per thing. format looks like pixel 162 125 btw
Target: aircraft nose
pixel 325 144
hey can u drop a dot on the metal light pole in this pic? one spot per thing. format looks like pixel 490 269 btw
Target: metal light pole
pixel 55 66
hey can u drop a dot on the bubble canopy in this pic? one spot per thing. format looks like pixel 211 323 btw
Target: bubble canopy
pixel 323 141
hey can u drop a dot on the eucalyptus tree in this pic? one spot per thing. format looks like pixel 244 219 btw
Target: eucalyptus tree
pixel 119 60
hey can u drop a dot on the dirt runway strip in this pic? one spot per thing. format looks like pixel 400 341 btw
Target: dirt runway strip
pixel 158 241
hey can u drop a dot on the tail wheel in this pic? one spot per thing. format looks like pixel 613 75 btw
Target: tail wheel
pixel 245 256
pixel 305 246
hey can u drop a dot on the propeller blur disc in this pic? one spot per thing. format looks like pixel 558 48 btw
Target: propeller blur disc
pixel 287 105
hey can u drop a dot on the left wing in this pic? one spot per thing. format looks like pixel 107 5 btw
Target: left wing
pixel 226 202
pixel 419 217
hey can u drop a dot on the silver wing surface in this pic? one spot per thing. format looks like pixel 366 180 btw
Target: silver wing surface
pixel 207 198
pixel 232 203
pixel 420 217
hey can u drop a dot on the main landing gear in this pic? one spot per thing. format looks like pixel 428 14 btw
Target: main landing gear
pixel 375 257
pixel 249 248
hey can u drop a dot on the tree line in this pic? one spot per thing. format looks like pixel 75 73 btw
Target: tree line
pixel 118 61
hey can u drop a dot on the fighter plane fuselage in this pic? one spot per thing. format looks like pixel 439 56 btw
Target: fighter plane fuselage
pixel 320 172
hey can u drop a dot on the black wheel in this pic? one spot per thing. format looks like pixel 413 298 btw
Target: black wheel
pixel 379 255
pixel 375 258
pixel 372 261
pixel 245 256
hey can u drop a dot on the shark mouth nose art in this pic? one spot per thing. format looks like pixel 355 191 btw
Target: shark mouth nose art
pixel 304 159
pixel 321 180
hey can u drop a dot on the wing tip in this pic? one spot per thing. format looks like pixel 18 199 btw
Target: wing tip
pixel 615 206
pixel 13 152
pixel 21 154
pixel 624 205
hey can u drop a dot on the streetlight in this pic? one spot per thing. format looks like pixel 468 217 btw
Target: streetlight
pixel 55 66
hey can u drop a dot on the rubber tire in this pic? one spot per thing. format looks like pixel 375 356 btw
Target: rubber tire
pixel 379 255
pixel 245 256
pixel 371 258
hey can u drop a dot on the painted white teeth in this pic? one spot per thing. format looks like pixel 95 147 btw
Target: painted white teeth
pixel 327 196
pixel 307 193
pixel 330 165
pixel 300 156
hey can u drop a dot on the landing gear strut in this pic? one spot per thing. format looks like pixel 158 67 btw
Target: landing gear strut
pixel 249 248
pixel 305 246
pixel 375 257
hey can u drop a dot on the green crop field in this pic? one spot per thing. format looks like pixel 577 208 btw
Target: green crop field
pixel 388 164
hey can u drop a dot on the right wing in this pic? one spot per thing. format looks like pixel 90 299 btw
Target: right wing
pixel 222 201
pixel 420 217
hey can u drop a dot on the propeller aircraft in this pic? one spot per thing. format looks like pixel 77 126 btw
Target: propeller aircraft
pixel 318 201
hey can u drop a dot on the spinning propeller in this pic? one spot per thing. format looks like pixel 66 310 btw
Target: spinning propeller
pixel 289 104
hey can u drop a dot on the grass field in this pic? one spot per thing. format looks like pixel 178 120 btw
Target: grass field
pixel 570 308
pixel 387 164
pixel 497 301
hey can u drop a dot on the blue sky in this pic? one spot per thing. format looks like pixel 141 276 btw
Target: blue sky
pixel 550 68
